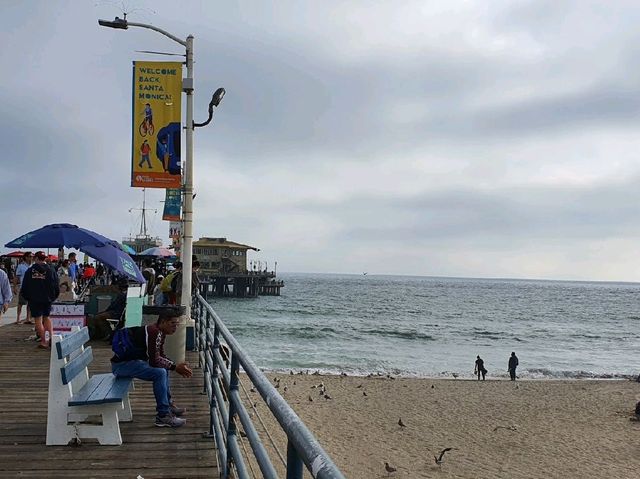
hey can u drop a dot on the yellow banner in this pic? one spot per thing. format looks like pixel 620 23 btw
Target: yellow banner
pixel 155 155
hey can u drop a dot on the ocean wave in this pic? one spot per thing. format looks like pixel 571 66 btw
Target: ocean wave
pixel 309 332
pixel 497 336
pixel 546 373
pixel 398 334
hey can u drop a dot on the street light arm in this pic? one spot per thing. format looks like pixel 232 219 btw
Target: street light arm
pixel 215 101
pixel 159 30
pixel 123 24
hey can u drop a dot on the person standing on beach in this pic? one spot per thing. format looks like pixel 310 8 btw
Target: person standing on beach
pixel 479 369
pixel 513 364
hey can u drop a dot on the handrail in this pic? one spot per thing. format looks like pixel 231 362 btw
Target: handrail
pixel 226 407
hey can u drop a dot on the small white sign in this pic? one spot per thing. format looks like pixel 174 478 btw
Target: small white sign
pixel 65 316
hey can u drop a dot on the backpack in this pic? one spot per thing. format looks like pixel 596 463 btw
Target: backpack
pixel 122 345
pixel 165 286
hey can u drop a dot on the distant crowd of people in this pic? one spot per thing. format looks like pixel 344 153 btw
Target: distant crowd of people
pixel 63 280
pixel 164 283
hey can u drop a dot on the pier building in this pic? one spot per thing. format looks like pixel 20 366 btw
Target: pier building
pixel 224 272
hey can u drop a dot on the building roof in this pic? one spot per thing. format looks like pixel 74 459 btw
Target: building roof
pixel 222 243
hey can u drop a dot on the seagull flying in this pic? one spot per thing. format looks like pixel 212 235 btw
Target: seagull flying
pixel 440 459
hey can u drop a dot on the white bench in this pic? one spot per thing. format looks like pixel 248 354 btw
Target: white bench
pixel 74 396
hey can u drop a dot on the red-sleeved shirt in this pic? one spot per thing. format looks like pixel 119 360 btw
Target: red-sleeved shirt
pixel 155 348
pixel 149 342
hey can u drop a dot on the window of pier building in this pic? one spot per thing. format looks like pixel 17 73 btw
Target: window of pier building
pixel 206 251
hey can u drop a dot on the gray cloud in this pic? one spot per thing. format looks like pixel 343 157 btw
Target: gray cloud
pixel 496 128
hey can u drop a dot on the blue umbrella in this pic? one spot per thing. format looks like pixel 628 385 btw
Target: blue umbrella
pixel 71 236
pixel 126 248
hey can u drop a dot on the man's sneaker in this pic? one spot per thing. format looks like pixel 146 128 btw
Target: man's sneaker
pixel 170 421
pixel 177 411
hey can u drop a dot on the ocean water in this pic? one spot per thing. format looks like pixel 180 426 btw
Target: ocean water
pixel 433 327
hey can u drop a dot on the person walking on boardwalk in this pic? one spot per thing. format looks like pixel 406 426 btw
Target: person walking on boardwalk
pixel 5 292
pixel 40 288
pixel 479 368
pixel 513 364
pixel 139 353
pixel 21 269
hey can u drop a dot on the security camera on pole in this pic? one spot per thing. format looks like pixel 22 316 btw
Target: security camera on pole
pixel 187 186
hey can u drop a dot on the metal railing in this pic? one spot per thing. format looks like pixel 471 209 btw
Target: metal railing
pixel 226 408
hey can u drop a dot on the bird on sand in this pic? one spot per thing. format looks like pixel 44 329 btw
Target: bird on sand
pixel 364 393
pixel 310 398
pixel 440 459
pixel 359 386
pixel 455 375
pixel 326 396
pixel 389 468
pixel 400 423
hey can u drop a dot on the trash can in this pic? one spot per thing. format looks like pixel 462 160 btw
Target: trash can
pixel 175 344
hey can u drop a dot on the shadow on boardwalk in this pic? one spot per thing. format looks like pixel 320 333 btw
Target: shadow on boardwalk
pixel 147 451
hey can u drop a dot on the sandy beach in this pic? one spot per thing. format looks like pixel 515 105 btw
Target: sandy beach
pixel 497 429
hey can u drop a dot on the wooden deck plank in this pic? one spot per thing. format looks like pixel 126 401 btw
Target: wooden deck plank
pixel 147 450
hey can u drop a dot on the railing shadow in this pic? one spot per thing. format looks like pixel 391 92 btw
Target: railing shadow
pixel 221 383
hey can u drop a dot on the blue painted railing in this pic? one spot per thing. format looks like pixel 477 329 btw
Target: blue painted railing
pixel 221 384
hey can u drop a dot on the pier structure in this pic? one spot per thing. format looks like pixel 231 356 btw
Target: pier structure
pixel 242 285
pixel 223 268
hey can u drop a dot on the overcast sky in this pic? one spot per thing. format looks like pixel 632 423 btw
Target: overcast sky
pixel 476 139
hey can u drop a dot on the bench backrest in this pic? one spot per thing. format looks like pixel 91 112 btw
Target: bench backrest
pixel 68 366
pixel 77 365
pixel 72 342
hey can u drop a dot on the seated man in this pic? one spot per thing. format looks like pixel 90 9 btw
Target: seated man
pixel 139 353
pixel 99 327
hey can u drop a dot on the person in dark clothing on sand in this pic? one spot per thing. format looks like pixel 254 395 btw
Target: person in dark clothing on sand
pixel 513 364
pixel 479 369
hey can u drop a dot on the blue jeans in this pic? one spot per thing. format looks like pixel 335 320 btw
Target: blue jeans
pixel 142 370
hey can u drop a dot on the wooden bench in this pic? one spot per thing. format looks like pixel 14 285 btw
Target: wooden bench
pixel 74 397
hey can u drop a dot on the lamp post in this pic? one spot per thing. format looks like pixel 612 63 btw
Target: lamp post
pixel 187 189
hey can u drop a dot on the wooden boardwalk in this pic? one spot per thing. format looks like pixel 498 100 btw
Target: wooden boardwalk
pixel 148 451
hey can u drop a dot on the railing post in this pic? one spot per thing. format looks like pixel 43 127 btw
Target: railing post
pixel 303 449
pixel 231 425
pixel 294 463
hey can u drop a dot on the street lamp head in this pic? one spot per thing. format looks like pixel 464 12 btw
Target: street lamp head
pixel 119 23
pixel 218 96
